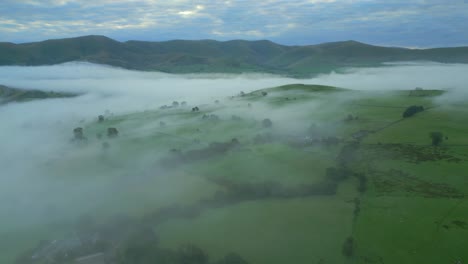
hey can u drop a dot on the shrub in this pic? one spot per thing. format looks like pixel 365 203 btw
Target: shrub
pixel 412 110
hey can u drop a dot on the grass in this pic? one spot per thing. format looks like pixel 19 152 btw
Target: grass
pixel 274 231
pixel 415 208
pixel 277 163
pixel 446 120
pixel 413 211
pixel 411 230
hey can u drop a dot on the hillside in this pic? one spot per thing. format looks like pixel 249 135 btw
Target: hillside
pixel 191 56
pixel 8 94
pixel 331 172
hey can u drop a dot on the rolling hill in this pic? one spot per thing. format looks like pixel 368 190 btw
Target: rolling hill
pixel 192 56
pixel 9 94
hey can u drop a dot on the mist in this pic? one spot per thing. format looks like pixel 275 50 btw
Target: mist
pixel 36 135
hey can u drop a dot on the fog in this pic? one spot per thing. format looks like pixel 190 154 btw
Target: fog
pixel 37 133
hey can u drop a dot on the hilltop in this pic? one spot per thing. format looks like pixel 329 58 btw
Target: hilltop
pixel 194 56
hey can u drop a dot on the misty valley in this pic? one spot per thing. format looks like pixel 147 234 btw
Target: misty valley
pixel 106 165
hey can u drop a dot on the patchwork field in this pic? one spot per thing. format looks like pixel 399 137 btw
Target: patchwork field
pixel 290 174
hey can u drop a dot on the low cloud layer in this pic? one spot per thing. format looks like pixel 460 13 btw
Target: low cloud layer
pixel 37 133
pixel 122 91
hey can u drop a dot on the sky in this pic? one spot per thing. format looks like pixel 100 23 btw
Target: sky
pixel 406 23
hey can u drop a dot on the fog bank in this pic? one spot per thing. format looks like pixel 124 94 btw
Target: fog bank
pixel 38 132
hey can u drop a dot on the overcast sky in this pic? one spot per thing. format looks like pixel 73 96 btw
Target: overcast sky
pixel 409 23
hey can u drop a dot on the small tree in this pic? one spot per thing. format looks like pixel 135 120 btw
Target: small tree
pixel 437 138
pixel 112 132
pixel 78 133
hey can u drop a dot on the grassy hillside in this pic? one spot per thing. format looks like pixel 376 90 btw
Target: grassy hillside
pixel 337 176
pixel 8 94
pixel 184 56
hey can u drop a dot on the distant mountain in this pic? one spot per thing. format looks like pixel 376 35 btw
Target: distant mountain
pixel 9 94
pixel 192 56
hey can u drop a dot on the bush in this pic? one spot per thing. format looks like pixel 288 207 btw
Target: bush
pixel 412 110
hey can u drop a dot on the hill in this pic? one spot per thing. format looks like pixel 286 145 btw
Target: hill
pixel 8 94
pixel 192 56
pixel 331 173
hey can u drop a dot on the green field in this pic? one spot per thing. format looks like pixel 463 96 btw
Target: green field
pixel 339 177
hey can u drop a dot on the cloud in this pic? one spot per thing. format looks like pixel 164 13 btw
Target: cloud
pixel 191 13
pixel 394 22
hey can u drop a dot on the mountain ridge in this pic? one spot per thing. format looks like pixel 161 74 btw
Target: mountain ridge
pixel 232 56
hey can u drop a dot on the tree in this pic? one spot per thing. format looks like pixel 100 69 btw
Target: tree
pixel 437 138
pixel 78 133
pixel 112 132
